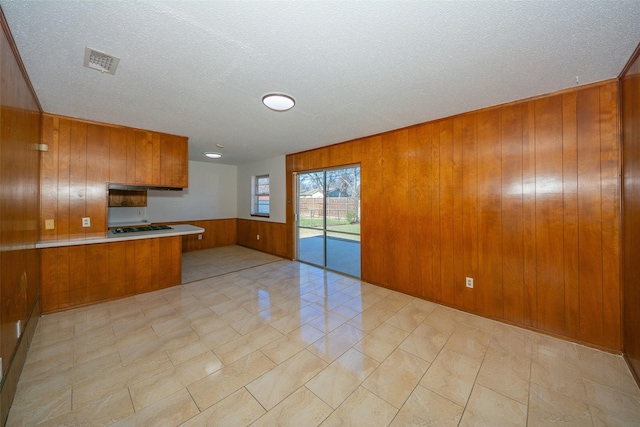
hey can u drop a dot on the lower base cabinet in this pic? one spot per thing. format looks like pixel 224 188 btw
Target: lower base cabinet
pixel 73 276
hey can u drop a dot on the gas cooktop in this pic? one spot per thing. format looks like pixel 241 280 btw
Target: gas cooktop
pixel 143 228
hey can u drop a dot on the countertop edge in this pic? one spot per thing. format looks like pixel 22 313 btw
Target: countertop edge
pixel 178 230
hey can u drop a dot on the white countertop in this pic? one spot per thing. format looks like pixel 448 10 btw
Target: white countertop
pixel 177 230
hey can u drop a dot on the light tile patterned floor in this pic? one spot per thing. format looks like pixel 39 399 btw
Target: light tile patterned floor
pixel 279 343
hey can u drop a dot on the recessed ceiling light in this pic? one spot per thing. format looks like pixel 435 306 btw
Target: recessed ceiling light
pixel 213 155
pixel 219 145
pixel 278 101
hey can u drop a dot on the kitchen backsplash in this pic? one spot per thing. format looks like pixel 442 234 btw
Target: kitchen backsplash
pixel 127 216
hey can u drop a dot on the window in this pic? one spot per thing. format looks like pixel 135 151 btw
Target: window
pixel 260 205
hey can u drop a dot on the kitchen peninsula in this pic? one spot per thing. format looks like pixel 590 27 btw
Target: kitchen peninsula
pixel 82 263
pixel 84 271
pixel 175 230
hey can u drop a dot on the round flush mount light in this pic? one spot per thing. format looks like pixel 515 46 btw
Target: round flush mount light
pixel 278 101
pixel 212 155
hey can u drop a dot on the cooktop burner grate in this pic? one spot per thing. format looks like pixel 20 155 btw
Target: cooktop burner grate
pixel 143 228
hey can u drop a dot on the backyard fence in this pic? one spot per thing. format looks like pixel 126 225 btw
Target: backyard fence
pixel 338 208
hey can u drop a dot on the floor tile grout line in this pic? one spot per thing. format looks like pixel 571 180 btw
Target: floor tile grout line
pixel 529 389
pixel 234 271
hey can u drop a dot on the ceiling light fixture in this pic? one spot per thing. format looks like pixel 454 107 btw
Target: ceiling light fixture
pixel 212 155
pixel 278 101
pixel 219 145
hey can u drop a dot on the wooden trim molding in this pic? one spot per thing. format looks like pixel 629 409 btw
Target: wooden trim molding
pixel 16 54
pixel 630 106
pixel 634 56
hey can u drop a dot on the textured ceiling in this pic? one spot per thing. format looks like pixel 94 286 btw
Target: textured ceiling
pixel 200 68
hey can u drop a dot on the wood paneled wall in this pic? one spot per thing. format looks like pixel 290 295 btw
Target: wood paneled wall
pixel 19 196
pixel 217 232
pixel 75 173
pixel 524 198
pixel 273 236
pixel 631 214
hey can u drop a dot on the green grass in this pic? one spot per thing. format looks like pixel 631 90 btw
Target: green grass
pixel 317 222
pixel 339 225
pixel 347 228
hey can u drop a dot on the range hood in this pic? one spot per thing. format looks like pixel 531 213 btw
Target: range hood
pixel 140 187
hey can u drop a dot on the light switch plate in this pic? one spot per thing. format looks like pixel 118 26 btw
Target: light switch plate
pixel 86 222
pixel 49 224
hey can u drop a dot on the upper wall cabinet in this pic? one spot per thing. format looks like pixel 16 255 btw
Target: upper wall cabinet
pixel 140 157
pixel 84 157
pixel 174 161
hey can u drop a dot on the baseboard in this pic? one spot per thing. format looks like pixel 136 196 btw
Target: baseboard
pixel 9 383
pixel 636 375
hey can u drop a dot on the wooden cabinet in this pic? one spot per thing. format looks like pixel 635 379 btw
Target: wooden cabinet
pixel 83 157
pixel 78 275
pixel 147 158
pixel 140 157
pixel 127 198
pixel 174 161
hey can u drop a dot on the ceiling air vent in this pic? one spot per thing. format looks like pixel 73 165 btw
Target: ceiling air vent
pixel 100 61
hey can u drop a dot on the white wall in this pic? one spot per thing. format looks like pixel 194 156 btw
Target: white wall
pixel 212 194
pixel 275 167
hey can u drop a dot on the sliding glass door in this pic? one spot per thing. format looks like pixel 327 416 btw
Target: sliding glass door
pixel 328 219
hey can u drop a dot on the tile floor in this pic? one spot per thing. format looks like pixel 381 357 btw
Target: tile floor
pixel 279 343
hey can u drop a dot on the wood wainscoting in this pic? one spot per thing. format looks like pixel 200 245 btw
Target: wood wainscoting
pixel 217 232
pixel 273 236
pixel 522 197
pixel 631 213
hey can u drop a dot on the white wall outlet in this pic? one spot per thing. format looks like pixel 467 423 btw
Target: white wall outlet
pixel 86 222
pixel 199 236
pixel 257 237
pixel 18 329
pixel 49 224
pixel 469 282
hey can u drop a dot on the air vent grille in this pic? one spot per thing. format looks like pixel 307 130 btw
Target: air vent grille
pixel 100 61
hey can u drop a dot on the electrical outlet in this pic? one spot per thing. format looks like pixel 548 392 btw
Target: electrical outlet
pixel 199 236
pixel 469 282
pixel 257 237
pixel 18 329
pixel 49 224
pixel 86 222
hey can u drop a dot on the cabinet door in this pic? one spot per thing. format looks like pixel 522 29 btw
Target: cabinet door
pixel 122 155
pixel 147 169
pixel 117 155
pixel 174 161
